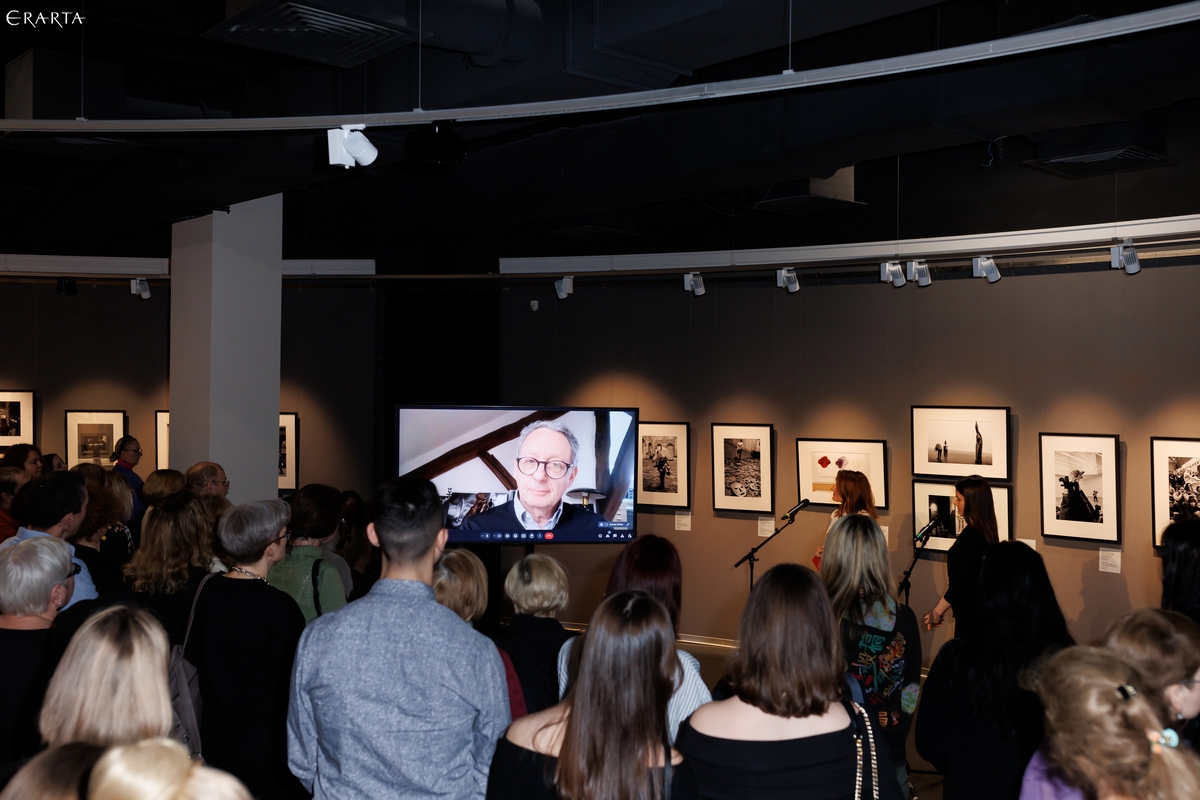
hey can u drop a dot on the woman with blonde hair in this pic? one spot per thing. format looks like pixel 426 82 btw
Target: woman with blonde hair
pixel 54 774
pixel 537 587
pixel 174 557
pixel 111 685
pixel 852 492
pixel 1108 734
pixel 880 638
pixel 159 769
pixel 119 544
pixel 161 483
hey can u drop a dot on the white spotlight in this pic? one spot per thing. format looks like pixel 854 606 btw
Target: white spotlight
pixel 139 287
pixel 347 146
pixel 1126 256
pixel 891 271
pixel 787 277
pixel 919 271
pixel 985 267
pixel 564 286
pixel 693 282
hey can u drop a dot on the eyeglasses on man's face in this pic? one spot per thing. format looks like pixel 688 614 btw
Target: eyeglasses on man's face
pixel 224 483
pixel 137 450
pixel 554 469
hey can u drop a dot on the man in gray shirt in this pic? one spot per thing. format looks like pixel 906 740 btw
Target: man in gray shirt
pixel 394 695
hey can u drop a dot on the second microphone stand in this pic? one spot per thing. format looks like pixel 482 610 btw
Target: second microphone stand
pixel 905 583
pixel 752 555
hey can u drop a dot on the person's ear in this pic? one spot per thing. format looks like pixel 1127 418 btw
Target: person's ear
pixel 439 544
pixel 58 595
pixel 1174 694
pixel 372 536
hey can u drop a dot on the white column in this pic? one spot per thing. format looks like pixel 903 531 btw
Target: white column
pixel 226 289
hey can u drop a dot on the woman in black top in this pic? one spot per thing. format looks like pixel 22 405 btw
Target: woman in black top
pixel 975 724
pixel 787 732
pixel 104 514
pixel 607 740
pixel 973 501
pixel 243 642
pixel 1181 568
pixel 537 587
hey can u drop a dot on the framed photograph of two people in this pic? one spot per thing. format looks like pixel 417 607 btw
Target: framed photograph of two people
pixel 957 441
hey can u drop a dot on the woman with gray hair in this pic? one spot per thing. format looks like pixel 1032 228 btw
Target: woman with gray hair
pixel 243 640
pixel 36 580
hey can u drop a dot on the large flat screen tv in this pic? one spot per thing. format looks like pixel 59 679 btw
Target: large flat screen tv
pixel 526 475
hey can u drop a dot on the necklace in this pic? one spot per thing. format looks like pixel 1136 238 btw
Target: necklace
pixel 250 574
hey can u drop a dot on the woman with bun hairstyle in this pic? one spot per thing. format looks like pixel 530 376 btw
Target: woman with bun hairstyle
pixel 973 502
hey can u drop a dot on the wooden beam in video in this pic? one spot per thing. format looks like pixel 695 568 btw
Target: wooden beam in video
pixel 474 449
pixel 621 476
pixel 498 470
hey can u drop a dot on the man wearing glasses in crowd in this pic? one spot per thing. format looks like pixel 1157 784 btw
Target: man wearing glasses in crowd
pixel 544 469
pixel 208 477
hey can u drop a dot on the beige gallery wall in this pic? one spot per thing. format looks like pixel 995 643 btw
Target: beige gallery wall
pixel 1079 351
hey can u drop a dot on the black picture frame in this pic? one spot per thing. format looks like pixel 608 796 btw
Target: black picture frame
pixel 25 398
pixel 922 466
pixel 1160 472
pixel 1004 520
pixel 727 498
pixel 682 497
pixel 289 459
pixel 117 419
pixel 877 477
pixel 1067 446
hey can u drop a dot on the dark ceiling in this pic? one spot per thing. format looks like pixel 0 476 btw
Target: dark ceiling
pixel 1114 126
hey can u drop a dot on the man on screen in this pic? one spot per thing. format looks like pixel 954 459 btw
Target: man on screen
pixel 545 468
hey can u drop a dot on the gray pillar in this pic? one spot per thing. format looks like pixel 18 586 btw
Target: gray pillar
pixel 226 289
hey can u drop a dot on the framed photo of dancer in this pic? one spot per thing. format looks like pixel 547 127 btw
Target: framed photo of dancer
pixel 1174 482
pixel 16 418
pixel 1080 476
pixel 664 457
pixel 818 462
pixel 743 478
pixel 289 450
pixel 91 436
pixel 934 500
pixel 957 441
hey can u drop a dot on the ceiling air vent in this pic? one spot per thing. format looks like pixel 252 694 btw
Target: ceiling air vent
pixel 312 32
pixel 1100 162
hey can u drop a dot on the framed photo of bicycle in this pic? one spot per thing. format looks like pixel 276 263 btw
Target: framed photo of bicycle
pixel 957 441
pixel 1080 474
pixel 1174 482
pixel 818 462
pixel 743 477
pixel 934 500
pixel 664 457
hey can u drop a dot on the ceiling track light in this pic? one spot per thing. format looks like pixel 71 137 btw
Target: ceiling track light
pixel 1124 256
pixel 693 282
pixel 892 272
pixel 349 146
pixel 564 286
pixel 919 271
pixel 985 267
pixel 140 287
pixel 786 278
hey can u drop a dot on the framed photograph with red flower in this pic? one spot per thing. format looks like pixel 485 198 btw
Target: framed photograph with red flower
pixel 818 462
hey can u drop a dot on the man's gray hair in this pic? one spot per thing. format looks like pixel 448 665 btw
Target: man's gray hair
pixel 200 477
pixel 247 530
pixel 29 571
pixel 552 425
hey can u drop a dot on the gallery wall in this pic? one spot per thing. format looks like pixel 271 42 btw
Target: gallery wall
pixel 1081 350
pixel 104 349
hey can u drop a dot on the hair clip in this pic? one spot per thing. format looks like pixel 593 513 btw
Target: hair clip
pixel 1167 737
pixel 1127 691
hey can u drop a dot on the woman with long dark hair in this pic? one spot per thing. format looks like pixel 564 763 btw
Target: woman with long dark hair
pixel 1181 568
pixel 973 502
pixel 975 724
pixel 607 740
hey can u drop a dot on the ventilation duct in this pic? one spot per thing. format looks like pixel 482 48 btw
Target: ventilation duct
pixel 1102 151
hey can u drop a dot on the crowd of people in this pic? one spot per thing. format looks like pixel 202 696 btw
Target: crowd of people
pixel 161 643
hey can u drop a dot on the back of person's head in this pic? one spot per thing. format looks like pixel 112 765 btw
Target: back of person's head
pixel 537 586
pixel 200 475
pixel 855 491
pixel 408 514
pixel 1104 721
pixel 11 479
pixel 161 483
pixel 111 685
pixel 60 773
pixel 213 506
pixel 49 498
pixel 460 583
pixel 316 511
pixel 1164 645
pixel 789 661
pixel 29 574
pixel 1181 568
pixel 1025 623
pixel 118 484
pixel 17 455
pixel 93 474
pixel 246 531
pixel 979 509
pixel 159 769
pixel 650 564
pixel 618 720
pixel 173 539
pixel 855 567
pixel 104 510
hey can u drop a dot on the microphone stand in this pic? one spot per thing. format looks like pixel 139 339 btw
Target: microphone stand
pixel 753 558
pixel 905 583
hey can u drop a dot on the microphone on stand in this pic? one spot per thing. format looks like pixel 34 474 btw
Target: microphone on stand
pixel 927 531
pixel 790 516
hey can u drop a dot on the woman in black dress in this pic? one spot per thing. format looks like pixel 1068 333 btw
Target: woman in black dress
pixel 243 642
pixel 973 501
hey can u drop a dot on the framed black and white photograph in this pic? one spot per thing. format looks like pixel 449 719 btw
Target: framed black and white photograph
pixel 934 501
pixel 742 476
pixel 957 441
pixel 818 461
pixel 1174 482
pixel 91 436
pixel 162 439
pixel 663 476
pixel 1079 486
pixel 289 450
pixel 16 418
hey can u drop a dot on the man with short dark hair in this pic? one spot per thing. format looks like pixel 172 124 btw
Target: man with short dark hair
pixel 394 695
pixel 55 505
pixel 208 477
pixel 11 481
